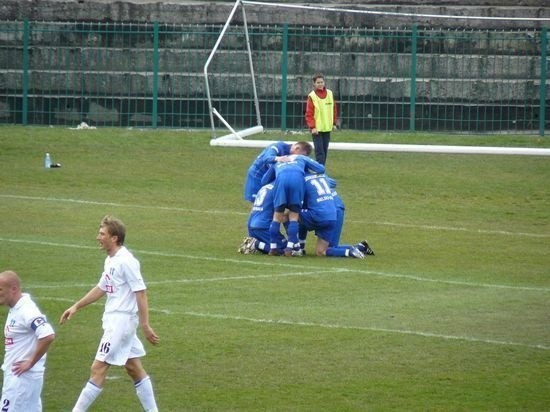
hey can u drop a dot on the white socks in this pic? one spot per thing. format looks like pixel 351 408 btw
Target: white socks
pixel 144 391
pixel 89 394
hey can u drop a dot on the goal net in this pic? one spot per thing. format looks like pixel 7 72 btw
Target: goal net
pixel 424 72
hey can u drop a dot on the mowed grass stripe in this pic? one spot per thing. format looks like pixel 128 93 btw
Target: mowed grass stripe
pixel 330 326
pixel 230 212
pixel 309 269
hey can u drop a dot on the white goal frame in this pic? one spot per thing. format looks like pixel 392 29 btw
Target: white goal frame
pixel 236 138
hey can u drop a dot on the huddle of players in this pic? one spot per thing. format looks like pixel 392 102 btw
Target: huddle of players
pixel 289 188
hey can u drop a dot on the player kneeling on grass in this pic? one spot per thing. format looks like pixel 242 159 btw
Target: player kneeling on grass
pixel 259 222
pixel 323 213
pixel 270 155
pixel 288 176
pixel 126 307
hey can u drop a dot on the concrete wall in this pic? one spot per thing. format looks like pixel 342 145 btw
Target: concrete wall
pixel 174 11
pixel 121 76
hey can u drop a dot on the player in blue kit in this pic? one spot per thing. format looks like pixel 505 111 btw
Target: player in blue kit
pixel 288 174
pixel 363 246
pixel 259 222
pixel 265 159
pixel 323 213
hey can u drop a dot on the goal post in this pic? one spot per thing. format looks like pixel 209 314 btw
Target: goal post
pixel 212 110
pixel 412 96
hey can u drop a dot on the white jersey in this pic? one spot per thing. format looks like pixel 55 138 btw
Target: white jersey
pixel 25 324
pixel 120 280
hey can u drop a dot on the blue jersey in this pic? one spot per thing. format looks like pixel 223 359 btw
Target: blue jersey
pixel 338 200
pixel 319 199
pixel 261 214
pixel 289 179
pixel 319 211
pixel 340 213
pixel 297 163
pixel 260 165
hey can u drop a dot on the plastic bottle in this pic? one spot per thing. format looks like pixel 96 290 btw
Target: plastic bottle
pixel 47 161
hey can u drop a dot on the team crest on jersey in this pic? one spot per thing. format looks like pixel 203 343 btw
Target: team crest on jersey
pixel 8 341
pixel 108 287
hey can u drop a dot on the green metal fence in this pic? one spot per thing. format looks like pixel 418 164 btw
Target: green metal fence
pixel 151 75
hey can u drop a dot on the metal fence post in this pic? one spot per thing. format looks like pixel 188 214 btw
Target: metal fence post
pixel 543 68
pixel 24 106
pixel 155 73
pixel 284 73
pixel 412 113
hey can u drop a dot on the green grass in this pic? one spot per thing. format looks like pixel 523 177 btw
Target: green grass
pixel 452 313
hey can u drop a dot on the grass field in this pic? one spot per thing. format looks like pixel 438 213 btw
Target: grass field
pixel 452 314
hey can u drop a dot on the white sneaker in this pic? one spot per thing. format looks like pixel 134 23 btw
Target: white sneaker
pixel 356 253
pixel 248 246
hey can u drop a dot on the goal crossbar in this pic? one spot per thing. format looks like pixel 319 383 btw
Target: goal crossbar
pixel 390 13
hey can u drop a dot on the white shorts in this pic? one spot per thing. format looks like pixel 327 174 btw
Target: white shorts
pixel 22 393
pixel 119 341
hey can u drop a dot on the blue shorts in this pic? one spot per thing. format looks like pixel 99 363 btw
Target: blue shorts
pixel 323 230
pixel 289 190
pixel 335 240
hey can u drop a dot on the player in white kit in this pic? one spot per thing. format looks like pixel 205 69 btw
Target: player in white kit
pixel 27 337
pixel 126 307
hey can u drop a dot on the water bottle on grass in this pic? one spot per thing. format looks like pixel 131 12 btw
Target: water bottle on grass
pixel 47 161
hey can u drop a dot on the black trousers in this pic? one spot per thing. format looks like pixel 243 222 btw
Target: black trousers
pixel 320 143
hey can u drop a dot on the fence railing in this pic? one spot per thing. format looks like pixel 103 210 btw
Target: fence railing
pixel 150 75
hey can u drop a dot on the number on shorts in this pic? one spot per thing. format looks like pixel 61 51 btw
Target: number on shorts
pixel 5 405
pixel 104 348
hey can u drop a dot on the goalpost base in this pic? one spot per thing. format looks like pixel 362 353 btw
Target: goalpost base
pixel 236 136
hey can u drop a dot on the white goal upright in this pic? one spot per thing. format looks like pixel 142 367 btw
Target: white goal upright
pixel 233 47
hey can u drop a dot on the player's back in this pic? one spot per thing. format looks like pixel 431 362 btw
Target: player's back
pixel 318 198
pixel 298 163
pixel 261 214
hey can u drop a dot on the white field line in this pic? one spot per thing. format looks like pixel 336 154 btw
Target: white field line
pixel 364 328
pixel 332 326
pixel 307 273
pixel 134 206
pixel 229 212
pixel 456 229
pixel 309 270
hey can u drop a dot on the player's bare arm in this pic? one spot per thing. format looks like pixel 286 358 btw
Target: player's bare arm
pixel 143 312
pixel 93 295
pixel 42 346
